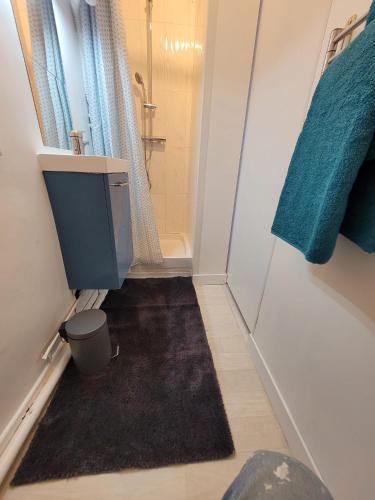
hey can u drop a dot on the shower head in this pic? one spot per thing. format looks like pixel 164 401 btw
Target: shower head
pixel 139 78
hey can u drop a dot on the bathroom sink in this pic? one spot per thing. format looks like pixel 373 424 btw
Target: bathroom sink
pixel 82 163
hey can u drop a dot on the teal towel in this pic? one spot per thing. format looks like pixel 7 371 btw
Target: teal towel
pixel 330 185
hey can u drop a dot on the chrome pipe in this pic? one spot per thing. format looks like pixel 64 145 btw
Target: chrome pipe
pixel 149 48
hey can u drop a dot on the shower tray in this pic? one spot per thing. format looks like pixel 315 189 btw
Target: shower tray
pixel 177 260
pixel 174 245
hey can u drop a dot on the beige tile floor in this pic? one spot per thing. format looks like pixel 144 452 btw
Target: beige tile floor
pixel 251 419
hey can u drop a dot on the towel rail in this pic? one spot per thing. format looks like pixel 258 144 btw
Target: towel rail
pixel 349 30
pixel 342 35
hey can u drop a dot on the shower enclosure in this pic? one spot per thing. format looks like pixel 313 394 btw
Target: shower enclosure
pixel 165 42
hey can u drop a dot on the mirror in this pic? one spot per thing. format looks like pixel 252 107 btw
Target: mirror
pixel 49 42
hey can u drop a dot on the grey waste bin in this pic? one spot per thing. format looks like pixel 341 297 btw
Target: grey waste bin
pixel 88 336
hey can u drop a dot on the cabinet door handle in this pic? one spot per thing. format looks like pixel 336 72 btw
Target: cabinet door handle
pixel 119 184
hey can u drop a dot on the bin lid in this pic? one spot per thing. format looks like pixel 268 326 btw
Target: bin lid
pixel 85 324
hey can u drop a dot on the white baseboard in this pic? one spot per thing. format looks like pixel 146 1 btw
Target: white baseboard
pixel 289 426
pixel 50 358
pixel 22 422
pixel 16 432
pixel 210 279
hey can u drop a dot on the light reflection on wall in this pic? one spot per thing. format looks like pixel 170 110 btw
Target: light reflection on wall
pixel 180 45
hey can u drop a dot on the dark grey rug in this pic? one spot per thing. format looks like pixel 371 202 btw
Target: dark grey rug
pixel 158 403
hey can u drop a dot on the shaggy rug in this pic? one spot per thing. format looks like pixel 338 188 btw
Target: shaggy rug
pixel 157 403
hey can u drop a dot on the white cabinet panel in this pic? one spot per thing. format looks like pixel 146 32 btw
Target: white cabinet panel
pixel 316 327
pixel 288 46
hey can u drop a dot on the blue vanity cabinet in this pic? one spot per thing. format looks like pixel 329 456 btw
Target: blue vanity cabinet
pixel 92 217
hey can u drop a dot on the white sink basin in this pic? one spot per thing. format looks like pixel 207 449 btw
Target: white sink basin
pixel 82 163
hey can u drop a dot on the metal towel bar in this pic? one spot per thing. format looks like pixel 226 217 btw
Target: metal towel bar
pixel 350 28
pixel 342 35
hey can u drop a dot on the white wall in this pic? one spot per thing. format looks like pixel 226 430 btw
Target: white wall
pixel 196 131
pixel 316 327
pixel 316 332
pixel 34 294
pixel 228 61
pixel 288 45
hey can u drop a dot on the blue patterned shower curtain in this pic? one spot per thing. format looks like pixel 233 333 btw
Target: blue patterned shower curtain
pixel 113 120
pixel 51 100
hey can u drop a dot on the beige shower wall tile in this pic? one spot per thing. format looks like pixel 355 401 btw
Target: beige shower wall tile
pixel 159 204
pixel 133 9
pixel 201 10
pixel 159 124
pixel 177 118
pixel 191 123
pixel 158 172
pixel 136 46
pixel 191 160
pixel 175 11
pixel 176 213
pixel 138 107
pixel 180 50
pixel 177 174
pixel 173 55
pixel 159 55
pixel 169 171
